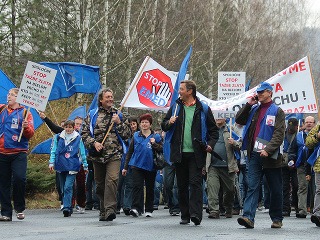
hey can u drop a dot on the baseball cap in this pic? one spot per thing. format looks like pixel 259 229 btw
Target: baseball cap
pixel 292 123
pixel 264 86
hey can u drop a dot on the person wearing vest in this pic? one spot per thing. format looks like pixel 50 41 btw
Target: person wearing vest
pixel 299 153
pixel 13 155
pixel 193 135
pixel 222 172
pixel 313 142
pixel 289 171
pixel 140 158
pixel 262 138
pixel 67 155
pixel 107 165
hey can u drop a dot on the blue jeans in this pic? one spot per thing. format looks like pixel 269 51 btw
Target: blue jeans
pixel 157 189
pixel 127 194
pixel 171 189
pixel 274 179
pixel 204 187
pixel 13 171
pixel 66 185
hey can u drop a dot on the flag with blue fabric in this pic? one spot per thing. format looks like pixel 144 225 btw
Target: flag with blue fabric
pixel 181 76
pixel 73 78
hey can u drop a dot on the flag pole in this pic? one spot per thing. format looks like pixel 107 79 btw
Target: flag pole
pixel 25 117
pixel 314 89
pixel 230 124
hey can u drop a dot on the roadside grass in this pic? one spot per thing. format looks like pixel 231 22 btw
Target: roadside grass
pixel 43 201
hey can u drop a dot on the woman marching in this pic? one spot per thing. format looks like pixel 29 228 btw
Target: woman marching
pixel 140 159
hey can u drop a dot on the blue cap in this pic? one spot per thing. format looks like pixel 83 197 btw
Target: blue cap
pixel 264 86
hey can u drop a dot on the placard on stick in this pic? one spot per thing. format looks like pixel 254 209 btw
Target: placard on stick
pixel 36 85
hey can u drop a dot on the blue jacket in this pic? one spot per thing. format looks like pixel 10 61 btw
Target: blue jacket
pixel 10 127
pixel 266 131
pixel 142 156
pixel 68 157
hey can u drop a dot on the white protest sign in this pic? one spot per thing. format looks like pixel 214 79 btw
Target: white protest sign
pixel 230 84
pixel 36 85
pixel 152 87
pixel 293 91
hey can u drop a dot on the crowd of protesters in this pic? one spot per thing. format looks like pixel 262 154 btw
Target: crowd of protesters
pixel 106 161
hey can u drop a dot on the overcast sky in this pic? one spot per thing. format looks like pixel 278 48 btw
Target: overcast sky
pixel 314 7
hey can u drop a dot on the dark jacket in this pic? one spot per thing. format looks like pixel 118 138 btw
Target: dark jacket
pixel 177 138
pixel 277 137
pixel 293 153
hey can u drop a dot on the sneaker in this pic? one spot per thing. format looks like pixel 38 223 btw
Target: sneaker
pixel 20 216
pixel 246 222
pixel 285 214
pixel 276 224
pixel 66 213
pixel 214 215
pixel 80 210
pixel 235 212
pixel 88 208
pixel 301 215
pixel 5 219
pixel 134 213
pixel 148 214
pixel 174 214
pixel 126 211
pixel 316 220
pixel 61 206
pixel 155 207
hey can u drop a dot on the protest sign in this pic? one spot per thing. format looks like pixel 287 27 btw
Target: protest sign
pixel 230 84
pixel 151 88
pixel 36 86
pixel 293 91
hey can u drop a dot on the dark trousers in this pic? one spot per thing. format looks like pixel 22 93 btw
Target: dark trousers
pixel 13 171
pixel 290 188
pixel 189 180
pixel 79 189
pixel 141 177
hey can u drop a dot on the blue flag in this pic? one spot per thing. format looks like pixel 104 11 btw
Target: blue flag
pixel 73 78
pixel 248 85
pixel 78 112
pixel 94 103
pixel 43 147
pixel 6 85
pixel 181 76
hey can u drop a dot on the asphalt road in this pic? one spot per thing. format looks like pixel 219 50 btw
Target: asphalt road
pixel 50 224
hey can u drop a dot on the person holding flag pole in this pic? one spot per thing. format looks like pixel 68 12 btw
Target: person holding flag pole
pixel 103 134
pixel 191 132
pixel 13 155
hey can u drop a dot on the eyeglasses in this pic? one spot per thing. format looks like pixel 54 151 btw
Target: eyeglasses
pixel 260 92
pixel 12 95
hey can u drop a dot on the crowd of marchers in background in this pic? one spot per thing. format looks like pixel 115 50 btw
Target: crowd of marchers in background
pixel 105 162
